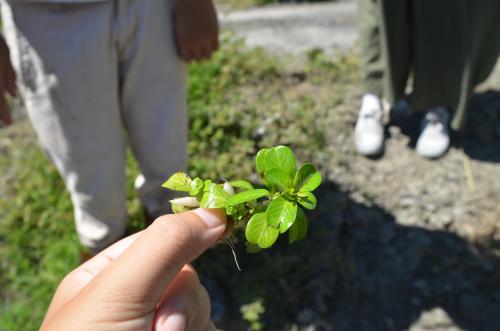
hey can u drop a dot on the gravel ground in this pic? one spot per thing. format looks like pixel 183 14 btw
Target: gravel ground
pixel 423 236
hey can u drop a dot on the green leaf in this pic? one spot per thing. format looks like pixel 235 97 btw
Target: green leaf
pixel 247 196
pixel 206 185
pixel 231 210
pixel 178 182
pixel 287 223
pixel 279 211
pixel 308 200
pixel 241 184
pixel 307 179
pixel 215 197
pixel 260 161
pixel 179 209
pixel 299 228
pixel 279 178
pixel 253 248
pixel 259 232
pixel 196 187
pixel 281 157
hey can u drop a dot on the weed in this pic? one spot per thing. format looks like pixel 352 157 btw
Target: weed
pixel 264 212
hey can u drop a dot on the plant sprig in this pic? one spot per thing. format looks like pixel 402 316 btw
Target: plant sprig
pixel 264 212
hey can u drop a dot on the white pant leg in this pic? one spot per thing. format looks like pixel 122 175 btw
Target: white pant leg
pixel 153 98
pixel 66 60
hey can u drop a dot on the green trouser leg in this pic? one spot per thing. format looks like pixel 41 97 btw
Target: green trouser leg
pixel 396 43
pixel 371 62
pixel 448 46
pixel 385 47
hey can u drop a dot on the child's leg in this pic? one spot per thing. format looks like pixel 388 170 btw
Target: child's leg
pixel 153 97
pixel 67 68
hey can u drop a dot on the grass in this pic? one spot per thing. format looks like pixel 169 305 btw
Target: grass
pixel 241 100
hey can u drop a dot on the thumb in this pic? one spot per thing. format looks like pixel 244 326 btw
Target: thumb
pixel 142 273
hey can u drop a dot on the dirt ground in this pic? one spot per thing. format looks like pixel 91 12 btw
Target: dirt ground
pixel 423 236
pixel 398 243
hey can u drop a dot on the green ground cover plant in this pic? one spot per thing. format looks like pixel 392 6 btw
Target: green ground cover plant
pixel 264 212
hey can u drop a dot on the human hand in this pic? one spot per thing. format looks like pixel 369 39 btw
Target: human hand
pixel 7 82
pixel 196 29
pixel 142 282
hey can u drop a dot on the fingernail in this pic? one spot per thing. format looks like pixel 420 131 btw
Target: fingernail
pixel 211 217
pixel 175 322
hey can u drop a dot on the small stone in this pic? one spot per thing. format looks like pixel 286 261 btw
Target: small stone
pixel 435 319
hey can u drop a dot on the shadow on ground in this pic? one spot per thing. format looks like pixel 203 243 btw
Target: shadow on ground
pixel 359 269
pixel 481 137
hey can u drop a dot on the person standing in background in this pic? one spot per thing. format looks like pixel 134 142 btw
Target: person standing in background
pixel 98 74
pixel 446 47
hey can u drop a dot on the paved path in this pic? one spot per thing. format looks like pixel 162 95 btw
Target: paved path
pixel 296 28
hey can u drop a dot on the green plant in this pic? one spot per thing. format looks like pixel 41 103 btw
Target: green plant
pixel 252 313
pixel 266 212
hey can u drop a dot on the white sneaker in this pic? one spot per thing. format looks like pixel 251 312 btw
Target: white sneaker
pixel 434 139
pixel 369 131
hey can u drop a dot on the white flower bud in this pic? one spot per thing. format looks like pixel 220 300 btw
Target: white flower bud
pixel 228 188
pixel 190 202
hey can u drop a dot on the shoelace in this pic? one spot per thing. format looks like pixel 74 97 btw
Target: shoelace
pixel 372 113
pixel 372 119
pixel 437 119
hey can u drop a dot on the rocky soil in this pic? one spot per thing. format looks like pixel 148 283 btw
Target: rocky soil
pixel 398 243
pixel 423 236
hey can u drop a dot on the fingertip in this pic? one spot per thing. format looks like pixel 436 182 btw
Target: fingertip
pixel 211 217
pixel 174 321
